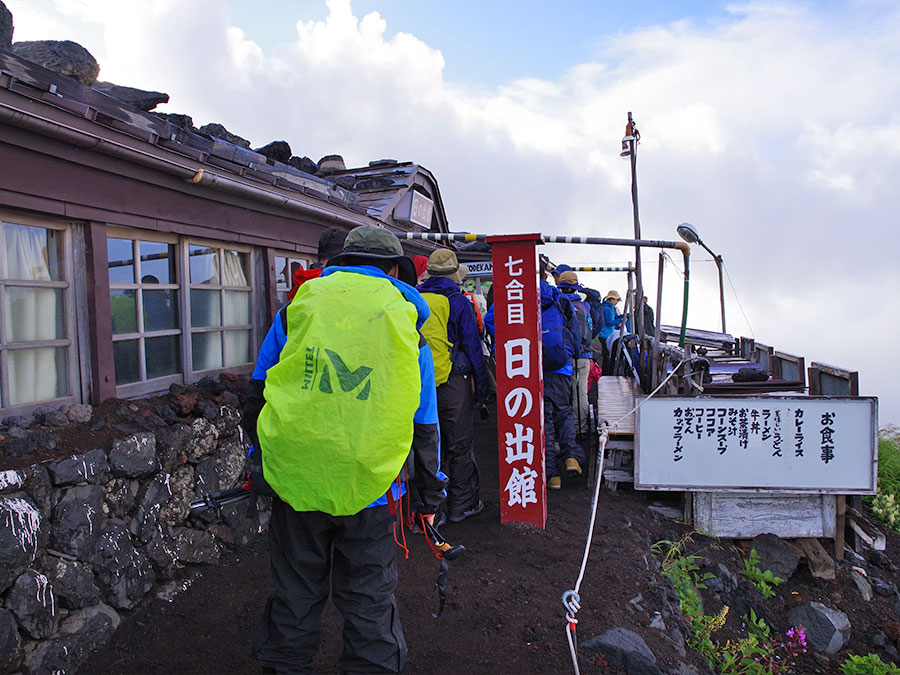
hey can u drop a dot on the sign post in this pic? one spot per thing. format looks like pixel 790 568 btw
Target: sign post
pixel 520 385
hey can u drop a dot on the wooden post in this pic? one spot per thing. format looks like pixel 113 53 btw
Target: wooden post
pixel 658 376
pixel 103 367
pixel 840 524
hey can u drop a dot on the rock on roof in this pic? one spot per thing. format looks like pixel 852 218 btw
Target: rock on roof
pixel 6 27
pixel 61 56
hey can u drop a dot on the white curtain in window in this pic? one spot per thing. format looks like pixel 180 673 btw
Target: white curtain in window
pixel 33 373
pixel 233 274
pixel 237 343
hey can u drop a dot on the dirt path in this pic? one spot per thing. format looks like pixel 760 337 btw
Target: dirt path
pixel 503 613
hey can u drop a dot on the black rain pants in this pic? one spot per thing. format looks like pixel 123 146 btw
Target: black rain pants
pixel 353 557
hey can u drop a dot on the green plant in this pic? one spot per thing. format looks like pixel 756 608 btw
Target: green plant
pixel 764 580
pixel 757 654
pixel 886 503
pixel 870 664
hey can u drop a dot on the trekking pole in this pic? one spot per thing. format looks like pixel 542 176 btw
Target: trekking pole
pixel 217 500
pixel 445 553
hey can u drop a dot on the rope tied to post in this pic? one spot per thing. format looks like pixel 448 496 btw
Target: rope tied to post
pixel 571 600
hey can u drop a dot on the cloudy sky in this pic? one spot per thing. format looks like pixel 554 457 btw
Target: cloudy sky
pixel 772 126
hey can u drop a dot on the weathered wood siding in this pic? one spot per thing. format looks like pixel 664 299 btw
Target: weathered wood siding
pixel 744 515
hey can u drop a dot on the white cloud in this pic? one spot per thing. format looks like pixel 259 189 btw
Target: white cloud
pixel 774 131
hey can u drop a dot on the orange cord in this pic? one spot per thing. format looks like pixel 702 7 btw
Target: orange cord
pixel 399 518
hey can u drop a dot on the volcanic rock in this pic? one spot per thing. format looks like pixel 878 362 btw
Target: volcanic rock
pixel 278 151
pixel 216 130
pixel 61 56
pixel 143 100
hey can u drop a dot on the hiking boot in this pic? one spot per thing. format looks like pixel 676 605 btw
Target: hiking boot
pixel 440 519
pixel 572 466
pixel 554 483
pixel 474 511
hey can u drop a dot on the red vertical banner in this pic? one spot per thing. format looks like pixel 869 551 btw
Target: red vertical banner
pixel 520 382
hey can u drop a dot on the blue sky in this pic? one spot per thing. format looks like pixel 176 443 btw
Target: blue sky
pixel 771 125
pixel 486 43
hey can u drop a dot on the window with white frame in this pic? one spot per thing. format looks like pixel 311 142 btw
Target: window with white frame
pixel 144 303
pixel 221 328
pixel 179 307
pixel 38 361
pixel 285 267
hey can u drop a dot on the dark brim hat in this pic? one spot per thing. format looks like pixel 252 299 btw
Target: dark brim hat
pixel 378 243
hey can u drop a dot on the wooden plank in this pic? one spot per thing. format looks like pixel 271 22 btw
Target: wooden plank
pixel 820 563
pixel 615 398
pixel 745 515
pixel 870 534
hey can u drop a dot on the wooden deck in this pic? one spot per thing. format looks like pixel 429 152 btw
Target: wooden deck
pixel 615 398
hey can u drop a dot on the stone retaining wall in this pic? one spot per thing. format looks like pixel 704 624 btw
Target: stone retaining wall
pixel 85 538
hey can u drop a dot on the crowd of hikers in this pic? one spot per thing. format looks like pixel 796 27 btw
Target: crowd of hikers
pixel 362 399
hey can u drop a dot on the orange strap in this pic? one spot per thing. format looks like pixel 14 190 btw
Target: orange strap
pixel 397 514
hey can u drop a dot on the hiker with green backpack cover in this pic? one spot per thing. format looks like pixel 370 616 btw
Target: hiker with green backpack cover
pixel 342 390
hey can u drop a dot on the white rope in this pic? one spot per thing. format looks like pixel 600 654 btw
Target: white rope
pixel 571 599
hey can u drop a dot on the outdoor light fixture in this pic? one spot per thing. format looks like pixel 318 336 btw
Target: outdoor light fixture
pixel 689 233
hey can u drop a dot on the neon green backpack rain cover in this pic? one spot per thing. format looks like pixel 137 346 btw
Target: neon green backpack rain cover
pixel 337 426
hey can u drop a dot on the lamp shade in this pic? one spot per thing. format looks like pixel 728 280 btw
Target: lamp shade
pixel 687 232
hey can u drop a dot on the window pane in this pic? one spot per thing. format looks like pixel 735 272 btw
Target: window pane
pixel 37 374
pixel 235 268
pixel 204 263
pixel 157 263
pixel 206 350
pixel 237 308
pixel 282 271
pixel 123 309
pixel 237 347
pixel 206 309
pixel 120 260
pixel 32 253
pixel 125 354
pixel 34 314
pixel 163 356
pixel 160 309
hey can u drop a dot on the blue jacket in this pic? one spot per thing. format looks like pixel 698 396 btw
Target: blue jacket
pixel 426 440
pixel 462 331
pixel 611 320
pixel 569 291
pixel 551 297
pixel 595 302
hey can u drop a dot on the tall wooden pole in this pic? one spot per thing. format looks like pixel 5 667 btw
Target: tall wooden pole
pixel 631 137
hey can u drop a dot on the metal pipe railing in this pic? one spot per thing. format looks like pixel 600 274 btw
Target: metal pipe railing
pixel 596 241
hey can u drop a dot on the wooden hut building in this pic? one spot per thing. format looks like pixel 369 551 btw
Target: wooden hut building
pixel 135 253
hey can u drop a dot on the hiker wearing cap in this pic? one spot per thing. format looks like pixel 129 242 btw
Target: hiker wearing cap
pixel 591 297
pixel 331 241
pixel 342 389
pixel 567 282
pixel 421 262
pixel 559 346
pixel 612 321
pixel 452 335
